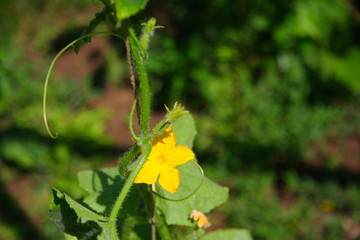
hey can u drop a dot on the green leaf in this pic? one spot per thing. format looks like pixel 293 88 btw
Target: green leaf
pixel 188 233
pixel 343 68
pixel 72 218
pixel 99 17
pixel 127 8
pixel 185 131
pixel 98 180
pixel 103 187
pixel 207 197
pixel 229 234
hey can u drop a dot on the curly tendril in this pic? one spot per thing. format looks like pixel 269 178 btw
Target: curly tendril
pixel 52 66
pixel 190 195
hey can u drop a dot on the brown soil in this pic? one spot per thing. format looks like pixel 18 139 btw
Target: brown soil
pixel 21 186
pixel 337 151
pixel 22 189
pixel 89 59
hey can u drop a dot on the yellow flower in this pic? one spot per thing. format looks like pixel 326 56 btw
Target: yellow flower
pixel 163 159
pixel 201 219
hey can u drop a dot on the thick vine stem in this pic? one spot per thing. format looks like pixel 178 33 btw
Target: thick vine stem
pixel 126 160
pixel 149 202
pixel 144 83
pixel 162 227
pixel 124 192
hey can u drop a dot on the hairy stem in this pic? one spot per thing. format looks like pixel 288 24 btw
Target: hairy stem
pixel 125 190
pixel 144 83
pixel 126 160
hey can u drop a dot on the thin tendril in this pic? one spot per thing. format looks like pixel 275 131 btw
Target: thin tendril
pixel 52 66
pixel 191 194
pixel 131 121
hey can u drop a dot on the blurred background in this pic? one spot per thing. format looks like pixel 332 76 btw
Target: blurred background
pixel 273 85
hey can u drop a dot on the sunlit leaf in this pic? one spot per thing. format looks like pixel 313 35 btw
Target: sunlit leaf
pixel 127 8
pixel 185 131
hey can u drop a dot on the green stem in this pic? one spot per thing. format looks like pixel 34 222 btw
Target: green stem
pixel 162 227
pixel 124 192
pixel 126 159
pixel 144 84
pixel 160 127
pixel 159 221
pixel 149 202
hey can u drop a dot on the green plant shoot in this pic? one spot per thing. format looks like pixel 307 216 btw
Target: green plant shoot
pixel 158 183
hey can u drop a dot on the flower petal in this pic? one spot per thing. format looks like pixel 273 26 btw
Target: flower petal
pixel 169 178
pixel 180 155
pixel 167 137
pixel 149 172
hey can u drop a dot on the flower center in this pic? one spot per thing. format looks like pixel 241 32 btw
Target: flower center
pixel 161 160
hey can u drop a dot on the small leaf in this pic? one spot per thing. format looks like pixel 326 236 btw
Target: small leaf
pixel 67 220
pixel 127 8
pixel 229 234
pixel 99 17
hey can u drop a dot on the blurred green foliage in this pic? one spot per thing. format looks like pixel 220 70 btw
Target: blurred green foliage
pixel 267 78
pixel 301 208
pixel 25 147
pixel 23 134
pixel 264 80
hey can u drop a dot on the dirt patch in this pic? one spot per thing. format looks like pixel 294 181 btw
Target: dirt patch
pixel 89 59
pixel 20 188
pixel 337 152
